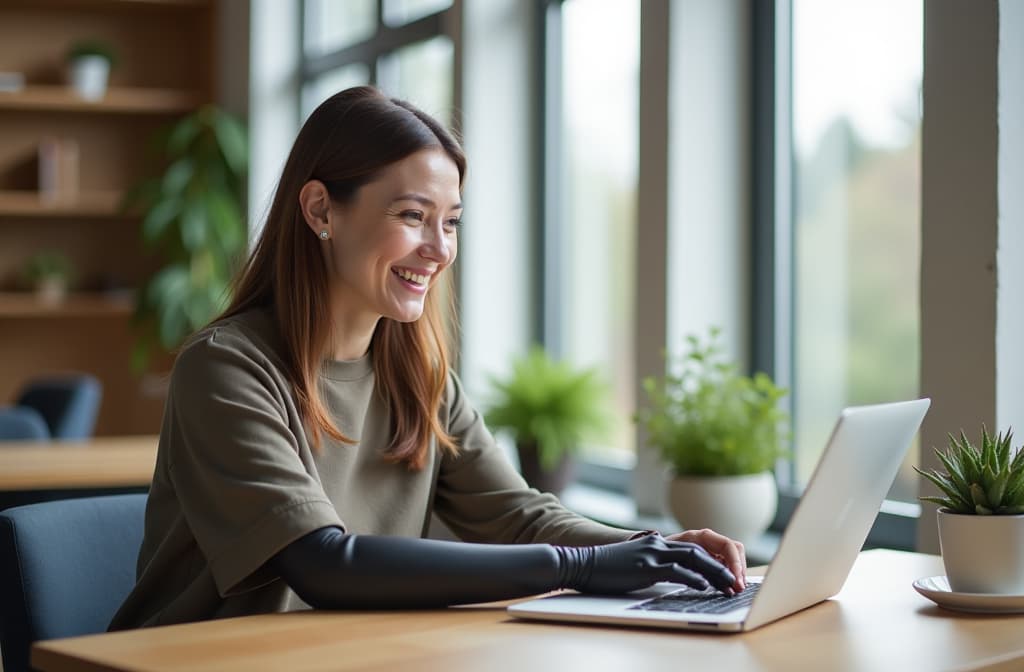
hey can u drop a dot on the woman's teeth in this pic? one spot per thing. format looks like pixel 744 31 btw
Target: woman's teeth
pixel 411 277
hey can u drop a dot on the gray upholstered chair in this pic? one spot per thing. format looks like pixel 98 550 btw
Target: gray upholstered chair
pixel 69 404
pixel 21 423
pixel 65 568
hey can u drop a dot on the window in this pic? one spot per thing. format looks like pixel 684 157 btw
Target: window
pixel 590 195
pixel 847 239
pixel 856 137
pixel 421 73
pixel 400 46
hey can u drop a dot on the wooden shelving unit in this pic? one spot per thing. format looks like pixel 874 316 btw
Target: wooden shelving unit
pixel 77 304
pixel 24 203
pixel 119 100
pixel 164 69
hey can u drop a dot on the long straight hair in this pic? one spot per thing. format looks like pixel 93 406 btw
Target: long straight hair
pixel 347 141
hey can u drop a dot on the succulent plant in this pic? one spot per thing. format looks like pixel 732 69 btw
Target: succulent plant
pixel 989 481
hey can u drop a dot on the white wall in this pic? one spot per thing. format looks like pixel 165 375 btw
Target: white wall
pixel 1010 255
pixel 494 259
pixel 972 244
pixel 273 100
pixel 701 214
pixel 709 172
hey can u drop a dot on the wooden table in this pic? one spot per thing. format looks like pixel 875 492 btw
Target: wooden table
pixel 876 623
pixel 34 471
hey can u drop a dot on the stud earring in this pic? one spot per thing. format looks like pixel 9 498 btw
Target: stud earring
pixel 324 235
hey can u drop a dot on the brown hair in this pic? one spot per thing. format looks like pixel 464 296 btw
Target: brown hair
pixel 345 143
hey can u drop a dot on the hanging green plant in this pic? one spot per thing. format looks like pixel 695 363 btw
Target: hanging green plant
pixel 193 215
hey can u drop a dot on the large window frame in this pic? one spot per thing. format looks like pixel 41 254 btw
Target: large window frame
pixel 771 287
pixel 385 40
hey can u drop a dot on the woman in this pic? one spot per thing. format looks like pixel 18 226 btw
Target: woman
pixel 312 429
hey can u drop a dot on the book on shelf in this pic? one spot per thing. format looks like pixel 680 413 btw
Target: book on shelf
pixel 11 82
pixel 58 169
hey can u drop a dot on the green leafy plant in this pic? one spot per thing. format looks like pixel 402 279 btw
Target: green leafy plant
pixel 707 419
pixel 979 482
pixel 92 48
pixel 193 216
pixel 551 404
pixel 47 266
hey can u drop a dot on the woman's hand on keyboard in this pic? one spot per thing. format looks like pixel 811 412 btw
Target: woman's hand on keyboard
pixel 727 551
pixel 631 565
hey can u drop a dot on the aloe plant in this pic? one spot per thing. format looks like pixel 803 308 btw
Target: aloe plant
pixel 984 482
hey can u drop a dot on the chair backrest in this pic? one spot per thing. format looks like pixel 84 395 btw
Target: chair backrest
pixel 21 423
pixel 65 568
pixel 69 404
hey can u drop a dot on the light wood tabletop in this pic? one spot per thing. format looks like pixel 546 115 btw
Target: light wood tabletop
pixel 102 462
pixel 876 623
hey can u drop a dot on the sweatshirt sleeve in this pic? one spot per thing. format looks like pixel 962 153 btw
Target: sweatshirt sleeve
pixel 234 462
pixel 482 498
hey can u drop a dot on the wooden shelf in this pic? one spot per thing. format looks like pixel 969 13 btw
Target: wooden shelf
pixel 108 4
pixel 77 304
pixel 38 97
pixel 86 204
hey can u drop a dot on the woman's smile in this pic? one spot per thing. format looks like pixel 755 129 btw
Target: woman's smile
pixel 414 279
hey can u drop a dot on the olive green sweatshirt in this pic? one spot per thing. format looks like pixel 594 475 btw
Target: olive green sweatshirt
pixel 237 479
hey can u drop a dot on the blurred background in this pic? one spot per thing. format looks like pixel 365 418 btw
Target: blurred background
pixel 753 166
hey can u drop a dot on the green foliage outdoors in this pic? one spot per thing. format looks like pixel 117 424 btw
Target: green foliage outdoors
pixel 193 217
pixel 92 48
pixel 551 404
pixel 979 482
pixel 707 419
pixel 45 266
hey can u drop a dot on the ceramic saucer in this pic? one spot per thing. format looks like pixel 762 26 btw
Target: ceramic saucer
pixel 936 589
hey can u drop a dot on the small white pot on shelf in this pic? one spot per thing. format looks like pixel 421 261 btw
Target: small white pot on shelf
pixel 52 291
pixel 740 507
pixel 89 75
pixel 983 554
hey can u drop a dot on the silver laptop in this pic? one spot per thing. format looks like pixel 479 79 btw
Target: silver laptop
pixel 816 553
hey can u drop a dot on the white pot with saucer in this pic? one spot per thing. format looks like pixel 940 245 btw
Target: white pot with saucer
pixel 983 554
pixel 980 581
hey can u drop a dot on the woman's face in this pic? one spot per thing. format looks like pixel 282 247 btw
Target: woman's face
pixel 397 235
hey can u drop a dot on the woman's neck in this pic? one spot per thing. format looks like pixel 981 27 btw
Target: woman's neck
pixel 352 331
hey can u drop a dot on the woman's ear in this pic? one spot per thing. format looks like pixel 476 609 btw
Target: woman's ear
pixel 315 204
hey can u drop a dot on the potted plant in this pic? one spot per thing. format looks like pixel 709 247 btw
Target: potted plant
pixel 89 64
pixel 49 274
pixel 193 217
pixel 721 433
pixel 549 408
pixel 981 514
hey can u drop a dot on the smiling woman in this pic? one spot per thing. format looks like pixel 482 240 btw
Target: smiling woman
pixel 350 192
pixel 312 430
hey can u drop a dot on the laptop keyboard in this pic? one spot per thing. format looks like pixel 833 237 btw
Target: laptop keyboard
pixel 690 601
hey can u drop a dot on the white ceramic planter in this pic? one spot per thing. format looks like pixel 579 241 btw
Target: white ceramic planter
pixel 983 554
pixel 89 76
pixel 51 291
pixel 740 507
